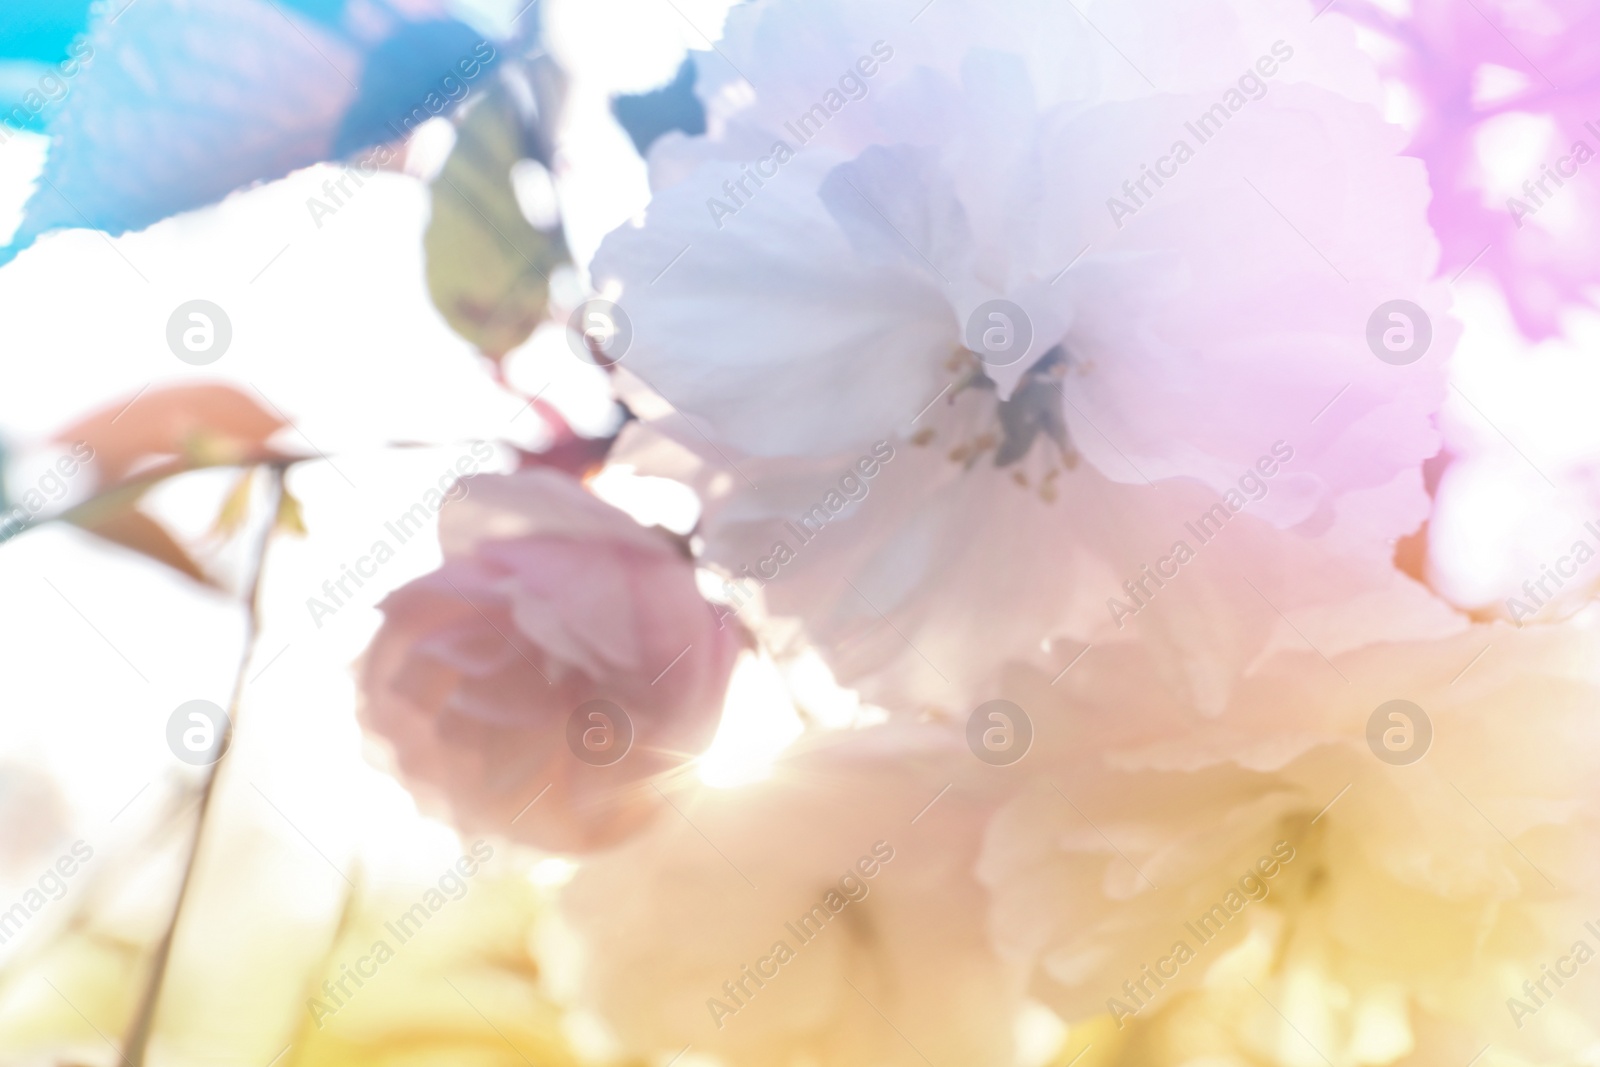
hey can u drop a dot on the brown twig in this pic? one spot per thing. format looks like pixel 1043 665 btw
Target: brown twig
pixel 137 1041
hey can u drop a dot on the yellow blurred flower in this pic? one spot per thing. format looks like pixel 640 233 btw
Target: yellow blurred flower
pixel 1441 855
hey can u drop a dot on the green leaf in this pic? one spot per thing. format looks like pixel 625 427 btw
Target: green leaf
pixel 488 268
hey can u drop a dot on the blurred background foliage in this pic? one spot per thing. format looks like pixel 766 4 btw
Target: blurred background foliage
pixel 264 922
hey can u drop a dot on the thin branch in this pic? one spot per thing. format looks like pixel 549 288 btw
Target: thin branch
pixel 137 1042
